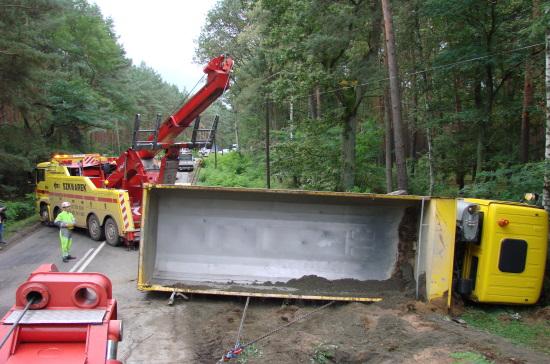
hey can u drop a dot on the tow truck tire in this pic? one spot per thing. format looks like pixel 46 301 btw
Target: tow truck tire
pixel 45 215
pixel 111 232
pixel 94 228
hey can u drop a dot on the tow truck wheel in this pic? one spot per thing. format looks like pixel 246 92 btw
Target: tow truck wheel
pixel 44 215
pixel 94 228
pixel 111 232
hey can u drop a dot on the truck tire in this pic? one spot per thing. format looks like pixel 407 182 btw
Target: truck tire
pixel 111 232
pixel 45 215
pixel 94 228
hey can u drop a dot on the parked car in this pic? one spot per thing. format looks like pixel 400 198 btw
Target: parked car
pixel 186 161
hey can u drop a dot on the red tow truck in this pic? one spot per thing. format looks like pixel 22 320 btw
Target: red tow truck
pixel 106 193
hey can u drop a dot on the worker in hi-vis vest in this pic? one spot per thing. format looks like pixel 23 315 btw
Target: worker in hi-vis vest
pixel 65 220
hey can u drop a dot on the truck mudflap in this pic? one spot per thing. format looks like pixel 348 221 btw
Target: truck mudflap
pixel 273 243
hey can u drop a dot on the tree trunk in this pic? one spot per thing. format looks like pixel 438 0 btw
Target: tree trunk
pixel 402 183
pixel 527 97
pixel 237 131
pixel 527 103
pixel 489 83
pixel 387 141
pixel 318 102
pixel 311 107
pixel 478 103
pixel 348 151
pixel 267 159
pixel 314 101
pixel 430 162
pixel 413 120
pixel 546 192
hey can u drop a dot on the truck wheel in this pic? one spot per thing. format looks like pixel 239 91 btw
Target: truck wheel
pixel 94 228
pixel 45 215
pixel 111 232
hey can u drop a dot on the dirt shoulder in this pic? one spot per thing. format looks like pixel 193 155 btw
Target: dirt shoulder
pixel 405 331
pixel 13 238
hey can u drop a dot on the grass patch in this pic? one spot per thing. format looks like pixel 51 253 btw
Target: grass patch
pixel 14 226
pixel 468 357
pixel 234 170
pixel 249 352
pixel 500 322
pixel 323 353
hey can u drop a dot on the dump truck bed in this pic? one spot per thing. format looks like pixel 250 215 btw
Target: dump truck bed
pixel 276 243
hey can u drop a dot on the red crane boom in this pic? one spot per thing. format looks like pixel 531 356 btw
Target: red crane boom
pixel 134 167
pixel 218 70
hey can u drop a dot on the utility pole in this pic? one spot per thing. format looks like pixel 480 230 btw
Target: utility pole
pixel 237 132
pixel 291 117
pixel 267 169
pixel 215 152
pixel 402 183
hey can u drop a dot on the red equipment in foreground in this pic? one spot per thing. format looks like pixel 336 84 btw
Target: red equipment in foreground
pixel 71 319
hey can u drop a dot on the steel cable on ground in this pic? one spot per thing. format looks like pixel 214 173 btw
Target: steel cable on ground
pixel 238 340
pixel 277 329
pixel 274 331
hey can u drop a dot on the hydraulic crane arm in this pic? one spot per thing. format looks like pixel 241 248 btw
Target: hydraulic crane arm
pixel 130 171
pixel 218 70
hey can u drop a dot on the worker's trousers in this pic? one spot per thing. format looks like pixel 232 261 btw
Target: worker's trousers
pixel 65 236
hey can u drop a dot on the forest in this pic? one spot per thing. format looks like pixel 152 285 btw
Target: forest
pixel 310 93
pixel 66 86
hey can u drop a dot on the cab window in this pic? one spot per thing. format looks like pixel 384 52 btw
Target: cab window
pixel 40 175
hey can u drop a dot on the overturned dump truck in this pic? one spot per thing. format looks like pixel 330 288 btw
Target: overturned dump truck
pixel 339 246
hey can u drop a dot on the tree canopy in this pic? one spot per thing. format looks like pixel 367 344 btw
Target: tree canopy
pixel 67 86
pixel 471 87
pixel 316 70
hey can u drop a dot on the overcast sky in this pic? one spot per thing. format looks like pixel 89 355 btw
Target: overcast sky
pixel 161 33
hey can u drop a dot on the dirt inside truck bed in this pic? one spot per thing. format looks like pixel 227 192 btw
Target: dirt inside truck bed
pixel 307 286
pixel 395 330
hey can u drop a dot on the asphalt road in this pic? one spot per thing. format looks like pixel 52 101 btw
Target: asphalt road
pixel 19 259
pixel 153 331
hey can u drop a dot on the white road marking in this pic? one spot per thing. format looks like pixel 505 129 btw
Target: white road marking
pixel 75 267
pixel 89 260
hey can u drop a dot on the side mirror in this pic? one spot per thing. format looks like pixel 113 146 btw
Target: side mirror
pixel 30 179
pixel 532 199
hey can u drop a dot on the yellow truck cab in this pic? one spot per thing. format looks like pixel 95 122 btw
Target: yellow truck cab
pixel 504 248
pixel 79 179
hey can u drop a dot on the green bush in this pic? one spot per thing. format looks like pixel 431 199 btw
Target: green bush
pixel 509 183
pixel 233 170
pixel 21 209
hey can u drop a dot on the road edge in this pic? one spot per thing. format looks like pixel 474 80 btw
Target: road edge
pixel 21 234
